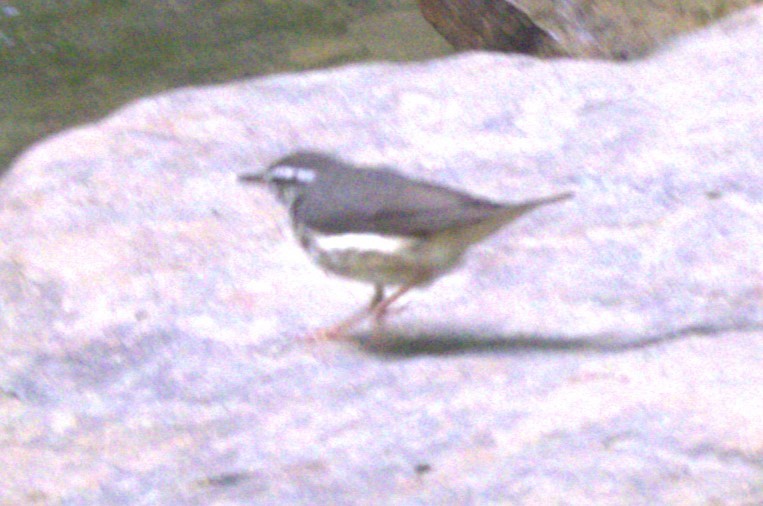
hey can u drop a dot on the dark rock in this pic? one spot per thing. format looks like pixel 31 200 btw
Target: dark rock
pixel 610 29
pixel 488 24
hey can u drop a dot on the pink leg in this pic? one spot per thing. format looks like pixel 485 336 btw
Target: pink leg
pixel 379 311
pixel 338 330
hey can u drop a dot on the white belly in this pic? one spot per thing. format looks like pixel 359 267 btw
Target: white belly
pixel 382 259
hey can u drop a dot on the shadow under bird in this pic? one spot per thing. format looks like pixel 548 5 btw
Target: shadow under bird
pixel 376 225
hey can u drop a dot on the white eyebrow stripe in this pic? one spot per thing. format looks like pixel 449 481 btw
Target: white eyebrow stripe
pixel 298 174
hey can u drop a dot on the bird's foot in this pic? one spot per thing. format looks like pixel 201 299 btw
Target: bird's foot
pixel 339 330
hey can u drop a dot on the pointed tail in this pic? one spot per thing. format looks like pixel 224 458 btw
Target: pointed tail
pixel 506 215
pixel 529 206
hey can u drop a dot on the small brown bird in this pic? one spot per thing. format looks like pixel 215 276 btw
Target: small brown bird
pixel 379 226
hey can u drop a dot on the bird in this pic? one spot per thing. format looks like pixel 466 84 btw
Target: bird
pixel 376 225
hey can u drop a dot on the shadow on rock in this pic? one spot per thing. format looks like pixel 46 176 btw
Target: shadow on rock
pixel 442 342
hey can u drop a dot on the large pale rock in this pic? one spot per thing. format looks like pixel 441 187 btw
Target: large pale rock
pixel 603 351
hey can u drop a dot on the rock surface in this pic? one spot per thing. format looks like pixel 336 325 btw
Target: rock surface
pixel 603 351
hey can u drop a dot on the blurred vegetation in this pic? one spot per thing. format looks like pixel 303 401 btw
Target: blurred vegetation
pixel 69 61
pixel 624 29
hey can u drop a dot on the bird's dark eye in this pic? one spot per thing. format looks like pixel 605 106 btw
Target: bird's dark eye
pixel 288 174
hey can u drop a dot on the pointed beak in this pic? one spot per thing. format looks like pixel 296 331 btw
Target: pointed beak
pixel 257 178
